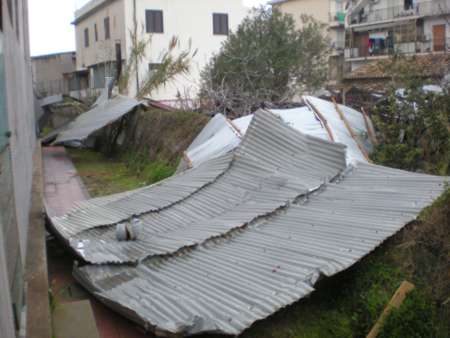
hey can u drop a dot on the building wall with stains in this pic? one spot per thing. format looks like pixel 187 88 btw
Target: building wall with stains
pixel 17 143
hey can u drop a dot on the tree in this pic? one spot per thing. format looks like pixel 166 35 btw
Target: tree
pixel 267 60
pixel 169 67
pixel 413 125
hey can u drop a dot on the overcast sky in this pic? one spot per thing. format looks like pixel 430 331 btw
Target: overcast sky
pixel 50 28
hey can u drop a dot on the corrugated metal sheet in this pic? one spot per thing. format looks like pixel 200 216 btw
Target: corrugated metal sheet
pixel 226 284
pixel 96 118
pixel 285 211
pixel 256 182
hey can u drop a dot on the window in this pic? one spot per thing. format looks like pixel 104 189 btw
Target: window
pixel 95 32
pixel 154 21
pixel 409 4
pixel 107 29
pixel 220 24
pixel 86 37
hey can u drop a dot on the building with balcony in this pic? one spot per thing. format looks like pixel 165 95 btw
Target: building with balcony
pixel 329 12
pixel 103 37
pixel 377 29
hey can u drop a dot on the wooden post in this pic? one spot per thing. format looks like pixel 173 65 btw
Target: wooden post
pixel 350 130
pixel 395 303
pixel 369 126
pixel 321 118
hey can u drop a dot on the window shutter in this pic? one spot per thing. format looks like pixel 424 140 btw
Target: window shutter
pixel 107 29
pixel 86 37
pixel 224 29
pixel 154 21
pixel 220 24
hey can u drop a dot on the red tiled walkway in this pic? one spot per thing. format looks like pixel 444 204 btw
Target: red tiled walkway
pixel 62 188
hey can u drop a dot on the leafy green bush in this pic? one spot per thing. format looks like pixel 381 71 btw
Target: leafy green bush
pixel 416 318
pixel 414 131
pixel 268 59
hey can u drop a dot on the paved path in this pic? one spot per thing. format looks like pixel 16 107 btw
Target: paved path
pixel 62 188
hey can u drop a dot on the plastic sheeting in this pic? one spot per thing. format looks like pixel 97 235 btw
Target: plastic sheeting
pixel 221 136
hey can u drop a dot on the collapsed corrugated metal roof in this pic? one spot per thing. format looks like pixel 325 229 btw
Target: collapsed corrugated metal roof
pixel 237 238
pixel 320 118
pixel 96 118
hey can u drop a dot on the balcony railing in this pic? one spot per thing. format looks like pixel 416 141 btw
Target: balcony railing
pixel 415 47
pixel 420 9
pixel 337 17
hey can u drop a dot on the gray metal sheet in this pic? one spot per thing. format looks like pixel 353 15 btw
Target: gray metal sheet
pixel 252 238
pixel 96 118
pixel 226 284
pixel 272 167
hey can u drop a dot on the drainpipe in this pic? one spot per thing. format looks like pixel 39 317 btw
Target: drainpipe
pixel 135 45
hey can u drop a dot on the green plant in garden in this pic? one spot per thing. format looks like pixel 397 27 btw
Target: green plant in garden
pixel 268 59
pixel 414 130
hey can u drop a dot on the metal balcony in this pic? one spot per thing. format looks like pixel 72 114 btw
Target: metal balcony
pixel 421 9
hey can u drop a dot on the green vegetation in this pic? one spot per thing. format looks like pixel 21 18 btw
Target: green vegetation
pixel 414 127
pixel 268 59
pixel 103 176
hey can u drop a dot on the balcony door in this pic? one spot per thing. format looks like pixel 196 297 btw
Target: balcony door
pixel 439 38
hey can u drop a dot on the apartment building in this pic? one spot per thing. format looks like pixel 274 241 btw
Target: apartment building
pixel 376 29
pixel 329 12
pixel 51 73
pixel 17 146
pixel 103 37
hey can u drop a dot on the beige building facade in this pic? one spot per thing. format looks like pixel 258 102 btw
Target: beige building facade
pixel 103 37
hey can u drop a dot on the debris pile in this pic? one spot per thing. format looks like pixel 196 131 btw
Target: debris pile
pixel 248 230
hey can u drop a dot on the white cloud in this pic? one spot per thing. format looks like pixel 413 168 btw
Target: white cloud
pixel 51 30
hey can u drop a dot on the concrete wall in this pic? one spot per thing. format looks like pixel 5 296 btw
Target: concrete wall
pixel 101 50
pixel 319 9
pixel 16 164
pixel 48 72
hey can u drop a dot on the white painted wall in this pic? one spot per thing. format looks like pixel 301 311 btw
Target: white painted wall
pixel 189 21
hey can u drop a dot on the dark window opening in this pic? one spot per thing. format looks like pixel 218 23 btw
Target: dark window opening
pixel 154 21
pixel 95 32
pixel 409 4
pixel 107 29
pixel 86 37
pixel 220 24
pixel 10 11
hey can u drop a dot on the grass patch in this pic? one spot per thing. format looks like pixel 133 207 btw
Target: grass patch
pixel 104 176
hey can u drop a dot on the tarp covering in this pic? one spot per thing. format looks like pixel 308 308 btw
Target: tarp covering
pixel 218 252
pixel 222 135
pixel 96 118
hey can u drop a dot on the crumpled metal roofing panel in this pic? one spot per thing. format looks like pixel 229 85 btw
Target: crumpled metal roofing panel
pixel 96 118
pixel 226 284
pixel 252 241
pixel 273 165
